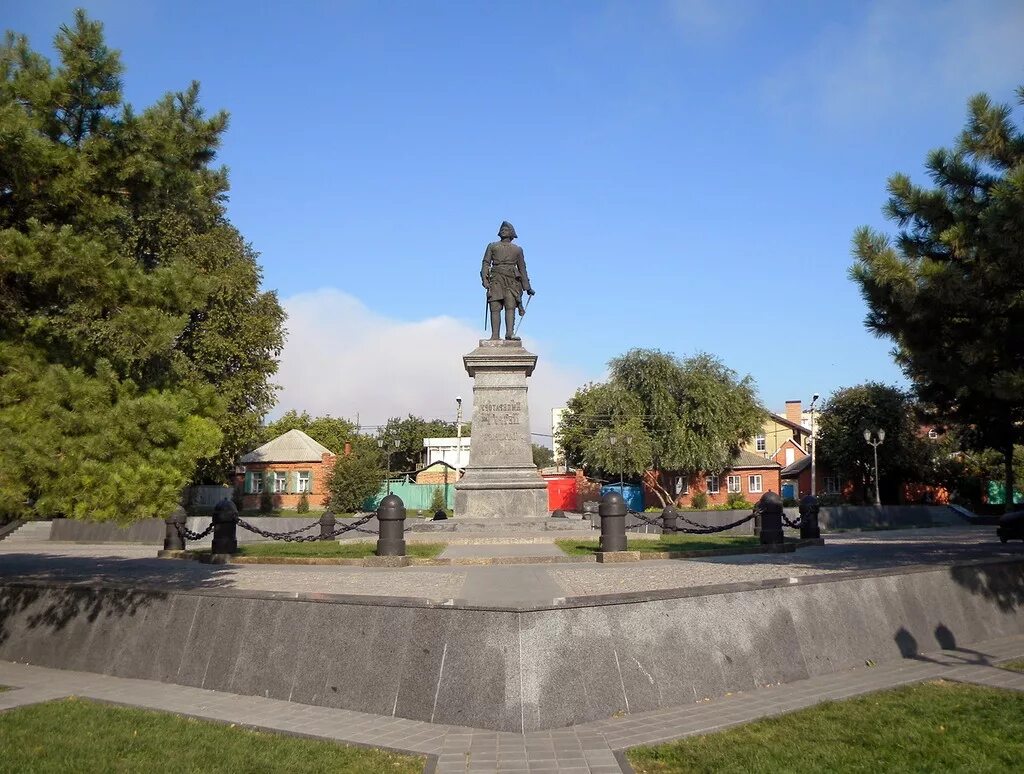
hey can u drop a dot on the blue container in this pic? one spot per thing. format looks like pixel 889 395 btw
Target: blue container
pixel 633 495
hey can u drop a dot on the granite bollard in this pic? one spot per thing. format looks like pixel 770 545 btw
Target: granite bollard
pixel 391 524
pixel 225 523
pixel 327 523
pixel 768 519
pixel 174 539
pixel 612 511
pixel 809 528
pixel 669 518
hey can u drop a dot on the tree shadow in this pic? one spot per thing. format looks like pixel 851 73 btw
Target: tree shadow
pixel 57 590
pixel 1002 583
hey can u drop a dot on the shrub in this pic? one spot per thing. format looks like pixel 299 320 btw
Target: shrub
pixel 789 502
pixel 437 500
pixel 699 501
pixel 303 506
pixel 266 500
pixel 736 502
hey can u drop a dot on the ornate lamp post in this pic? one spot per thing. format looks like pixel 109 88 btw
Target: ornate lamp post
pixel 380 445
pixel 875 439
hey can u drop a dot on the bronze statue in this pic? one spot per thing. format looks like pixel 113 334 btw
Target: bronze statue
pixel 504 276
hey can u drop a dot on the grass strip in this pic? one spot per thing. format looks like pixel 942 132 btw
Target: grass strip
pixel 669 543
pixel 1016 666
pixel 83 736
pixel 330 549
pixel 930 727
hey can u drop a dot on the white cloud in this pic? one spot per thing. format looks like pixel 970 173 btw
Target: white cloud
pixel 703 17
pixel 901 56
pixel 343 359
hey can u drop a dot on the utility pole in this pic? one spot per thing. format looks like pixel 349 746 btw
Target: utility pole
pixel 814 478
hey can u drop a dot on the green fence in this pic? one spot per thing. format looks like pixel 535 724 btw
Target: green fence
pixel 997 493
pixel 416 497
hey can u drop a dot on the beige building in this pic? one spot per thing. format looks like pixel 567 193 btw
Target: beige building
pixel 777 430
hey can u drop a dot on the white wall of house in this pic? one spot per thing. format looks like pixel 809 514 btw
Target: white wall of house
pixel 454 451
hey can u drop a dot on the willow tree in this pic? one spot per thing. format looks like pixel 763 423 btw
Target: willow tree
pixel 661 415
pixel 948 290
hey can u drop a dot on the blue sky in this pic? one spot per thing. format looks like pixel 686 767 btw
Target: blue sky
pixel 683 175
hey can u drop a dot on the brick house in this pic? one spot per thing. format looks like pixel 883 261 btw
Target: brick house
pixel 289 466
pixel 796 479
pixel 777 430
pixel 437 473
pixel 749 476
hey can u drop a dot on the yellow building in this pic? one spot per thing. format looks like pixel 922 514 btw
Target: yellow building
pixel 777 430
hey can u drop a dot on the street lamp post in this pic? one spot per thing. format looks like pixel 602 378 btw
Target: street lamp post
pixel 380 445
pixel 875 439
pixel 627 441
pixel 814 485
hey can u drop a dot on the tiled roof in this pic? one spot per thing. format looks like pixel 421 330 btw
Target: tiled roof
pixel 795 468
pixel 293 446
pixel 748 459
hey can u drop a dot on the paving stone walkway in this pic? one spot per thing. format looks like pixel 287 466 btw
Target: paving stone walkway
pixel 589 748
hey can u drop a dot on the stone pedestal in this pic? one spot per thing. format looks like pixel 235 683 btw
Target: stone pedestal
pixel 501 481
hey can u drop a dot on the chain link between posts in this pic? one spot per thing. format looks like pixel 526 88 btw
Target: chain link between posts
pixel 293 536
pixel 700 529
pixel 187 534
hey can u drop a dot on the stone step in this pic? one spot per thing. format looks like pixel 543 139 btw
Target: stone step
pixel 30 532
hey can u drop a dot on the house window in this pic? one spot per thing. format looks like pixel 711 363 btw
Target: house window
pixel 257 483
pixel 831 485
pixel 761 442
pixel 280 483
pixel 790 455
pixel 682 486
pixel 303 481
pixel 754 484
pixel 712 482
pixel 733 484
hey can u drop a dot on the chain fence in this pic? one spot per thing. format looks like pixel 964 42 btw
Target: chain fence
pixel 695 528
pixel 293 536
pixel 187 534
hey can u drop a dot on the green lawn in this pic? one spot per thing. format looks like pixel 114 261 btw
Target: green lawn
pixel 666 543
pixel 333 549
pixel 932 727
pixel 1016 666
pixel 83 736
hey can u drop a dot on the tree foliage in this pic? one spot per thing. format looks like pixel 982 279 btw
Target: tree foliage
pixel 678 417
pixel 332 432
pixel 125 293
pixel 356 477
pixel 903 456
pixel 543 457
pixel 949 289
pixel 410 432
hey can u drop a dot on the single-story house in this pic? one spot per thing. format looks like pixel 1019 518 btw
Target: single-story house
pixel 750 475
pixel 288 466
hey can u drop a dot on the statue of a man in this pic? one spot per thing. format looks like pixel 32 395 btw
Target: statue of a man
pixel 504 276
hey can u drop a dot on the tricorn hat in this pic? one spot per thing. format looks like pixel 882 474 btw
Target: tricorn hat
pixel 506 225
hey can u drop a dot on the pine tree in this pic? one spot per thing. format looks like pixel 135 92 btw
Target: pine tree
pixel 135 344
pixel 949 290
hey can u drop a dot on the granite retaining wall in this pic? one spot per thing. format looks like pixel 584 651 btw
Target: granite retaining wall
pixel 511 669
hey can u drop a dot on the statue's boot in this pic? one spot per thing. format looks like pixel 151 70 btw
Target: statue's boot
pixel 512 338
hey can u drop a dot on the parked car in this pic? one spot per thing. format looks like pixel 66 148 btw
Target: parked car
pixel 1011 526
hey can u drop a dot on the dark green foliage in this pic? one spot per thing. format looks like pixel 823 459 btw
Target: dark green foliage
pixel 904 455
pixel 543 457
pixel 303 506
pixel 699 500
pixel 135 344
pixel 949 290
pixel 736 502
pixel 680 416
pixel 266 496
pixel 437 500
pixel 332 432
pixel 356 477
pixel 410 432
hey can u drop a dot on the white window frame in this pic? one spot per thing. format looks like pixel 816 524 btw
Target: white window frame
pixel 734 484
pixel 933 433
pixel 754 484
pixel 712 483
pixel 761 442
pixel 302 482
pixel 280 485
pixel 682 486
pixel 257 482
pixel 832 485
